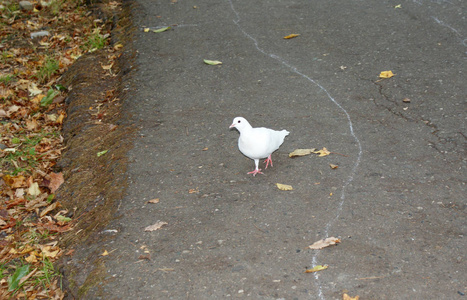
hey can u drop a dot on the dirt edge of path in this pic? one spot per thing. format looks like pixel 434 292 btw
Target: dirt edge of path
pixel 96 122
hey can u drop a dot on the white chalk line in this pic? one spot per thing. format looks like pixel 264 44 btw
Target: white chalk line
pixel 360 151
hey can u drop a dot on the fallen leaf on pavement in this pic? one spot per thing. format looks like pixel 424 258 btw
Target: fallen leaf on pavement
pixel 291 36
pixel 161 29
pixel 156 226
pixel 193 191
pixel 284 187
pixel 154 200
pixel 324 243
pixel 301 152
pixel 386 74
pixel 105 253
pixel 322 152
pixel 347 297
pixel 317 268
pixel 333 166
pixel 212 62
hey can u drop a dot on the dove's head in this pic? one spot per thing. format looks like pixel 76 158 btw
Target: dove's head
pixel 240 123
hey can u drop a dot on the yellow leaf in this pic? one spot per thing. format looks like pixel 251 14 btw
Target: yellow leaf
pixel 322 152
pixel 26 249
pixel 34 189
pixel 347 297
pixel 48 252
pixel 154 200
pixel 284 187
pixel 146 29
pixel 37 99
pixel 386 74
pixel 398 6
pixel 317 268
pixel 14 181
pixel 105 253
pixel 118 46
pixel 333 166
pixel 31 258
pixel 291 36
pixel 301 152
pixel 60 118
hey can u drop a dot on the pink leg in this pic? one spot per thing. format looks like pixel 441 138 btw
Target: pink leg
pixel 268 160
pixel 257 170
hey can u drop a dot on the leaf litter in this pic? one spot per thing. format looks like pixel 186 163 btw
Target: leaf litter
pixel 32 110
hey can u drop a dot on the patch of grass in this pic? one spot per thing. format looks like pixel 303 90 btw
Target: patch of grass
pixel 95 41
pixel 6 79
pixel 49 68
pixel 24 158
pixel 55 7
pixel 47 274
pixel 10 9
pixel 5 56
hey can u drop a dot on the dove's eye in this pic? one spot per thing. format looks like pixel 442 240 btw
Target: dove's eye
pixel 239 121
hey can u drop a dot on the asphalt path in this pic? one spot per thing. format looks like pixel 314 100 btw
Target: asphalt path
pixel 397 199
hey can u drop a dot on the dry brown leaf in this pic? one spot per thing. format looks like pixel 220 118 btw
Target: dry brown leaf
pixel 324 243
pixel 49 208
pixel 347 297
pixel 301 152
pixel 49 251
pixel 333 166
pixel 31 124
pixel 156 226
pixel 322 152
pixel 284 187
pixel 193 191
pixel 56 179
pixel 317 268
pixel 154 201
pixel 15 181
pixel 291 36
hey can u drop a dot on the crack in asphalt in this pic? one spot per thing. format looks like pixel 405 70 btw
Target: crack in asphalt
pixel 350 125
pixel 435 131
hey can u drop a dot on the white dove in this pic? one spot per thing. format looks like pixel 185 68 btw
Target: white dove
pixel 257 143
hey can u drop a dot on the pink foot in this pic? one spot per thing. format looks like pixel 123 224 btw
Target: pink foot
pixel 268 160
pixel 256 171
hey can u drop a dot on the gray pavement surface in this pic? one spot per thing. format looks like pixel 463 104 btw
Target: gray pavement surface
pixel 397 199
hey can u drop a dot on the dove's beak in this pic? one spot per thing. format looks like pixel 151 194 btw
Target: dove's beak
pixel 232 126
